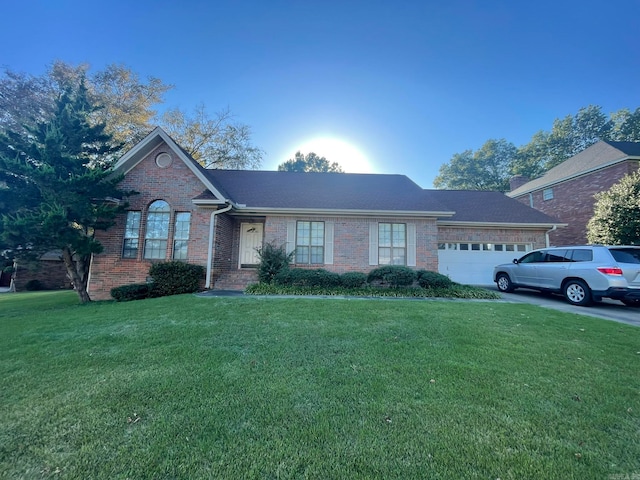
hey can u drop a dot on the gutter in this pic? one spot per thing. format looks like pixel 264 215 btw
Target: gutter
pixel 546 235
pixel 212 223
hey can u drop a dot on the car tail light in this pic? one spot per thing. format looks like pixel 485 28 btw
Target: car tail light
pixel 610 270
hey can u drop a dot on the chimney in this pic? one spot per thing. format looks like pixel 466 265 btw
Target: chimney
pixel 517 181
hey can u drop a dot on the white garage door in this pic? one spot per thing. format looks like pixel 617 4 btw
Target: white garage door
pixel 472 263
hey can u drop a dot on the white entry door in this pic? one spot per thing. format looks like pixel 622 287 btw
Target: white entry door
pixel 250 241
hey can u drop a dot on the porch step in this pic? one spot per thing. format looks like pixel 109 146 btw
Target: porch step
pixel 236 280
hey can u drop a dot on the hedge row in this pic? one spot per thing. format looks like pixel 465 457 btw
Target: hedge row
pixel 168 278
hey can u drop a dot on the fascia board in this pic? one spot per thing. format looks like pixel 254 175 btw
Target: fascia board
pixel 453 223
pixel 337 212
pixel 553 183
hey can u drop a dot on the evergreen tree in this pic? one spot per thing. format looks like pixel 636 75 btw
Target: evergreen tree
pixel 57 187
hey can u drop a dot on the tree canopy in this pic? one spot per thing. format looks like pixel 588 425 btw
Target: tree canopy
pixel 128 111
pixel 309 163
pixel 59 186
pixel 616 217
pixel 491 167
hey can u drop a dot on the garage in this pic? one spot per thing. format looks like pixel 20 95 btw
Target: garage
pixel 472 263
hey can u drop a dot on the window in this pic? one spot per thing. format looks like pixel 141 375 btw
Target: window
pixel 155 243
pixel 131 235
pixel 310 243
pixel 181 235
pixel 547 194
pixel 392 244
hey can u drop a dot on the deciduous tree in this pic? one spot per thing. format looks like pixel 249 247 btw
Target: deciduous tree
pixel 58 181
pixel 309 163
pixel 616 217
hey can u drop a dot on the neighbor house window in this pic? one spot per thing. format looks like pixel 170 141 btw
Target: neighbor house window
pixel 131 235
pixel 155 240
pixel 181 235
pixel 392 244
pixel 310 243
pixel 547 194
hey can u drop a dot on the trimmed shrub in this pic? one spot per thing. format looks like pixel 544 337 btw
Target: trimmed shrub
pixel 428 279
pixel 272 261
pixel 174 278
pixel 34 286
pixel 126 293
pixel 353 279
pixel 302 277
pixel 392 276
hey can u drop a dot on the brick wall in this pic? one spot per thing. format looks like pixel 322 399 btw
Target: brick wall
pixel 176 185
pixel 573 201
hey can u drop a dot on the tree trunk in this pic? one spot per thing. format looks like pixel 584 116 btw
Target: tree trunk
pixel 76 270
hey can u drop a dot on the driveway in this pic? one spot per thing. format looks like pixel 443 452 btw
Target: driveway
pixel 607 309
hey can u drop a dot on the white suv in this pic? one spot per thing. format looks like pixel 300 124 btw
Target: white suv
pixel 583 274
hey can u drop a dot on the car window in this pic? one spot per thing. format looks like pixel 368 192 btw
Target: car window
pixel 629 255
pixel 581 255
pixel 556 256
pixel 533 257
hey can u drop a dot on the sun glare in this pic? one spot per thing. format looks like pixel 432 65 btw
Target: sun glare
pixel 349 157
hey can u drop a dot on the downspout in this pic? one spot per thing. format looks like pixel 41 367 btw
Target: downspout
pixel 546 235
pixel 210 249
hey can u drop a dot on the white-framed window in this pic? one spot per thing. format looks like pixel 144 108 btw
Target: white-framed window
pixel 181 235
pixel 485 247
pixel 392 244
pixel 547 194
pixel 309 242
pixel 131 235
pixel 157 231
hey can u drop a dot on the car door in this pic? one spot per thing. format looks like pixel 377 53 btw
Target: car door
pixel 525 271
pixel 553 269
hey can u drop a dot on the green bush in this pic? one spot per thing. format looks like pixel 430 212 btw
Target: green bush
pixel 272 260
pixel 302 277
pixel 174 278
pixel 353 279
pixel 392 276
pixel 428 279
pixel 135 291
pixel 34 286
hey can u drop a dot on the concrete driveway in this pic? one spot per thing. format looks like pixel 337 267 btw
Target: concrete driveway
pixel 607 309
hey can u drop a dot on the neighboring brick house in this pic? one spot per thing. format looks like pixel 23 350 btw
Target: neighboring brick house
pixel 339 222
pixel 566 191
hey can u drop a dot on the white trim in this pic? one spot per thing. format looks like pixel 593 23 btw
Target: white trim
pixel 451 223
pixel 291 236
pixel 411 245
pixel 328 243
pixel 373 243
pixel 338 212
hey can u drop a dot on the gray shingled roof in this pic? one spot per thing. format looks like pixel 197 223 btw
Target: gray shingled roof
pixel 330 191
pixel 488 207
pixel 597 156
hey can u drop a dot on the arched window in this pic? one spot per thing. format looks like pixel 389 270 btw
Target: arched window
pixel 155 240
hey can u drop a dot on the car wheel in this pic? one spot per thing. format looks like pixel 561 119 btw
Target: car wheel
pixel 504 283
pixel 631 303
pixel 577 293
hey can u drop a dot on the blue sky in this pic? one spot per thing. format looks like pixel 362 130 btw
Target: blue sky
pixel 405 83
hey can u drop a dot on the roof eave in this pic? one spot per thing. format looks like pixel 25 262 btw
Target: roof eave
pixel 454 223
pixel 242 210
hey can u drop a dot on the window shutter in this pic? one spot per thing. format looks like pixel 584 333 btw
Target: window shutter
pixel 291 236
pixel 411 244
pixel 328 243
pixel 373 243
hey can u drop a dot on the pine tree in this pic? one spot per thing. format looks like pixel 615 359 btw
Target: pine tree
pixel 57 180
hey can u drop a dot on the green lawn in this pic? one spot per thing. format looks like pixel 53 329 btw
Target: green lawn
pixel 187 387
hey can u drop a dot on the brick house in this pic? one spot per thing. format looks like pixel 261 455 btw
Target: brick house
pixel 340 222
pixel 566 191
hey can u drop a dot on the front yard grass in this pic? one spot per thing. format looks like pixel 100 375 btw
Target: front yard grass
pixel 192 387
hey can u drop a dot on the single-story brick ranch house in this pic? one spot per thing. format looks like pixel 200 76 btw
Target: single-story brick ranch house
pixel 566 191
pixel 336 221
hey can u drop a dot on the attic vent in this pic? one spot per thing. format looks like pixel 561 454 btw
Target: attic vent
pixel 163 160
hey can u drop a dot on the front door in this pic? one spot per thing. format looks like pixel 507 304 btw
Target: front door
pixel 250 241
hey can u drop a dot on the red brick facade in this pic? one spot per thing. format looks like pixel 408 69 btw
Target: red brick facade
pixel 573 201
pixel 178 185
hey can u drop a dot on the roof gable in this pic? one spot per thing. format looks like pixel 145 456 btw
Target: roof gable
pixel 157 137
pixel 599 155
